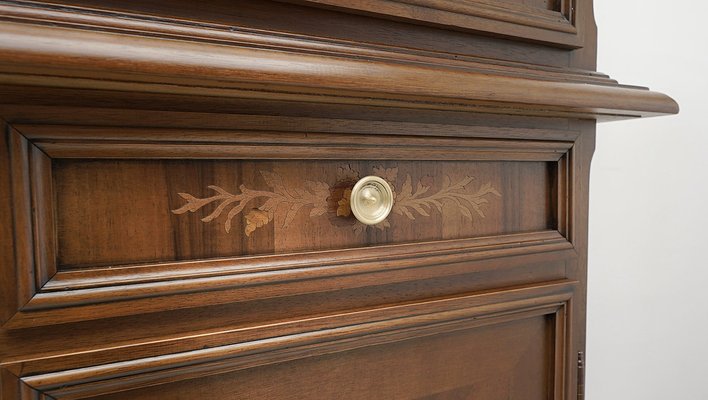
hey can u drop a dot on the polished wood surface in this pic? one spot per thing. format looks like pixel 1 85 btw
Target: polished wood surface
pixel 244 208
pixel 174 181
pixel 508 360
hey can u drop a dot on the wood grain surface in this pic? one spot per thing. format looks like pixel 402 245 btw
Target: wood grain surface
pixel 173 184
pixel 127 59
pixel 503 361
pixel 131 211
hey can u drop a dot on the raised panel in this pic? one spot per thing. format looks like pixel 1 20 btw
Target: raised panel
pixel 113 212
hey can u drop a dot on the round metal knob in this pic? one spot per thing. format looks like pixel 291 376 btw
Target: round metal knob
pixel 371 200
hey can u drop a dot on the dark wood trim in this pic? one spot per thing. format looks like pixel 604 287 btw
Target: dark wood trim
pixel 20 268
pixel 390 257
pixel 563 194
pixel 70 296
pixel 283 129
pixel 13 388
pixel 131 63
pixel 44 233
pixel 147 288
pixel 502 18
pixel 560 345
pixel 44 110
pixel 141 25
pixel 88 142
pixel 8 278
pixel 317 336
pixel 581 156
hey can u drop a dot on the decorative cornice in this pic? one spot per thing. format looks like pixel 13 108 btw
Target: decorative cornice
pixel 169 28
pixel 85 51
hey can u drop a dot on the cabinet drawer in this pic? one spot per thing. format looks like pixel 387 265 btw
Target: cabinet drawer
pixel 186 262
pixel 127 220
pixel 508 344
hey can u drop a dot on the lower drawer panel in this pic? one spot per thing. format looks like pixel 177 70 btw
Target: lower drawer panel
pixel 507 361
pixel 498 345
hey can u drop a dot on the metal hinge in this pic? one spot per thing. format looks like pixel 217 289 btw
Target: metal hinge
pixel 581 375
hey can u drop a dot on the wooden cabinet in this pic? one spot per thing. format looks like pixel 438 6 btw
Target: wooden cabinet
pixel 176 179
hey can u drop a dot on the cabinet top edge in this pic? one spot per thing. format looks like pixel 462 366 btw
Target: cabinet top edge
pixel 35 54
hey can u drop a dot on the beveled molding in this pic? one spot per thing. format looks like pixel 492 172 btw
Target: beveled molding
pixel 64 377
pixel 92 49
pixel 46 296
pixel 555 26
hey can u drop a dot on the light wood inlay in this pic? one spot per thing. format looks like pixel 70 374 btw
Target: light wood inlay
pixel 283 203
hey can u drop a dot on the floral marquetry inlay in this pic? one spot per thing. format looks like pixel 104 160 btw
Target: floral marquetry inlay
pixel 288 201
pixel 283 203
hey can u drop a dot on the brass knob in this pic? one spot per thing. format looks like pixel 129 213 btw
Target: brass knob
pixel 371 200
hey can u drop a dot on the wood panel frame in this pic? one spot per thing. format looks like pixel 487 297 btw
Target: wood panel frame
pixel 45 296
pixel 38 283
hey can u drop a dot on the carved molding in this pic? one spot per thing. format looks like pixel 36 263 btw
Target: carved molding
pixel 136 24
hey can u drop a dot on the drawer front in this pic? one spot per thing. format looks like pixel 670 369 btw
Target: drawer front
pixel 138 216
pixel 139 211
pixel 464 360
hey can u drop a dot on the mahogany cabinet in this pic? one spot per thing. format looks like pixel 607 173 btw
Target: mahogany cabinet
pixel 179 185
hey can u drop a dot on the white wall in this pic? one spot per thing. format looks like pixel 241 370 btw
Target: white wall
pixel 648 258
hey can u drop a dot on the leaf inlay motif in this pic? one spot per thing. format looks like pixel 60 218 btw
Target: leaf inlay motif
pixel 287 202
pixel 314 195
